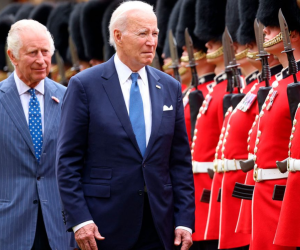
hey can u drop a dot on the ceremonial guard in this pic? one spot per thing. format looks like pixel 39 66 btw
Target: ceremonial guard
pixel 246 35
pixel 210 18
pixel 202 72
pixel 275 124
pixel 24 11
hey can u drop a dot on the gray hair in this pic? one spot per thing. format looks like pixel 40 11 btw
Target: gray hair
pixel 14 41
pixel 119 17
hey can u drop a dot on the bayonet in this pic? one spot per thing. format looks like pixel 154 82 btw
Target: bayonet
pixel 192 64
pixel 155 62
pixel 293 68
pixel 228 70
pixel 61 69
pixel 174 56
pixel 262 54
pixel 74 56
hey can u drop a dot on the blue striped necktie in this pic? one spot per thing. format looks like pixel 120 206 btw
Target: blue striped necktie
pixel 35 124
pixel 136 113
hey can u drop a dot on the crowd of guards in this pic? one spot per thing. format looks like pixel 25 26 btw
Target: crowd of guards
pixel 237 61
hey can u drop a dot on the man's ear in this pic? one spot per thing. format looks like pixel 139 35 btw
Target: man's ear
pixel 12 57
pixel 118 38
pixel 295 36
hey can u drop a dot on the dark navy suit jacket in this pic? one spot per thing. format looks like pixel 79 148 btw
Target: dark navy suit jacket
pixel 101 172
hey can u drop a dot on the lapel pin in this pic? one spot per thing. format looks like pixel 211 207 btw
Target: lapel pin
pixel 55 99
pixel 157 86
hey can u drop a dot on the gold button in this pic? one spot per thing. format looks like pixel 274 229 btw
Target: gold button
pixel 258 133
pixel 221 135
pixel 192 151
pixel 254 157
pixel 195 131
pixel 198 116
pixel 268 98
pixel 255 150
pixel 257 141
pixel 217 148
pixel 223 129
pixel 290 145
pixel 248 147
pixel 224 141
pixel 256 117
pixel 228 127
pixel 193 144
pixel 261 113
pixel 250 131
pixel 294 122
pixel 216 155
pixel 195 137
pixel 289 153
pixel 226 134
pixel 204 102
pixel 263 106
pixel 293 130
pixel 248 140
pixel 254 123
pixel 226 113
pixel 223 148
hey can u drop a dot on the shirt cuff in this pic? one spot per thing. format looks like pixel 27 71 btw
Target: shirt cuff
pixel 185 228
pixel 76 228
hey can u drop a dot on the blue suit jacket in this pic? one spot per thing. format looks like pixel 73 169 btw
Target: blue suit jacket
pixel 19 187
pixel 101 172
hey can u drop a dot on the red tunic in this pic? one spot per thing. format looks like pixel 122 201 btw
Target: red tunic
pixel 244 223
pixel 213 218
pixel 206 137
pixel 271 146
pixel 235 148
pixel 288 229
pixel 204 81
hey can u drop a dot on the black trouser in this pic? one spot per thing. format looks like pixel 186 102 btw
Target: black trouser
pixel 41 240
pixel 148 238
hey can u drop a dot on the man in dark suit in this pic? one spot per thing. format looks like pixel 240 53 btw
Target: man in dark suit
pixel 30 207
pixel 123 163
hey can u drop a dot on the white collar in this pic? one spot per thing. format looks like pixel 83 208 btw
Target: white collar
pixel 124 72
pixel 23 88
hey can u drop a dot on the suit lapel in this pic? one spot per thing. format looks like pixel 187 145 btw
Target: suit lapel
pixel 115 95
pixel 51 110
pixel 156 95
pixel 12 103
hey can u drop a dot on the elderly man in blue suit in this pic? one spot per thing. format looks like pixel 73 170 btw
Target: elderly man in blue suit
pixel 30 206
pixel 123 159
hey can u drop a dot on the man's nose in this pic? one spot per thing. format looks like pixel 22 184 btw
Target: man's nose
pixel 151 40
pixel 40 58
pixel 266 31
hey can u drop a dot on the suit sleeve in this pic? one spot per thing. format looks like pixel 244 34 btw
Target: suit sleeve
pixel 181 171
pixel 71 148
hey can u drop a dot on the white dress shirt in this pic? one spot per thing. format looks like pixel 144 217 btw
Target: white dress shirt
pixel 25 96
pixel 124 75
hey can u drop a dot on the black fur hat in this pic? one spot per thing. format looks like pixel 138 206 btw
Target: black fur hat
pixel 5 23
pixel 267 13
pixel 91 19
pixel 187 20
pixel 42 12
pixel 75 30
pixel 109 50
pixel 210 19
pixel 172 24
pixel 11 9
pixel 24 11
pixel 164 9
pixel 247 14
pixel 232 19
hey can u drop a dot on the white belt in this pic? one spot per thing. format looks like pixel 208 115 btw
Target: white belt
pixel 261 174
pixel 201 167
pixel 293 165
pixel 232 165
pixel 218 168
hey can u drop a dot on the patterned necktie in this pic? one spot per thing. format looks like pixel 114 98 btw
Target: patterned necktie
pixel 35 124
pixel 136 113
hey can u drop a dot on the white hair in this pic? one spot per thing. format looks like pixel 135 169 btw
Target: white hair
pixel 118 19
pixel 14 41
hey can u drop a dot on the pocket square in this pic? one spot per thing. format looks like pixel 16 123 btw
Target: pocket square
pixel 166 108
